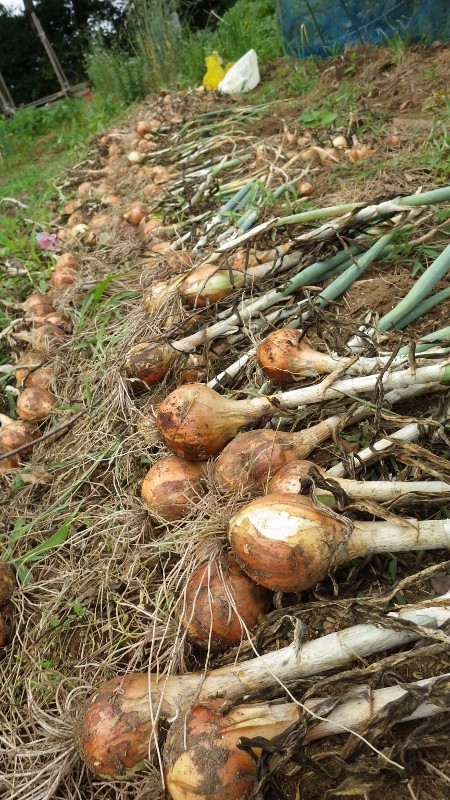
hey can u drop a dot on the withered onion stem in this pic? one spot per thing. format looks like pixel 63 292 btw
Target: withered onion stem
pixel 115 728
pixel 196 422
pixel 287 544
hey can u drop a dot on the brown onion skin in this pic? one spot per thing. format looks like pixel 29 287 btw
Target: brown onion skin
pixel 16 433
pixel 27 363
pixel 37 306
pixel 60 320
pixel 48 338
pixel 70 260
pixel 42 378
pixel 63 278
pixel 280 356
pixel 200 746
pixel 112 738
pixel 195 422
pixel 35 404
pixel 281 562
pixel 7 582
pixel 172 486
pixel 149 362
pixel 248 461
pixel 3 631
pixel 210 620
pixel 288 478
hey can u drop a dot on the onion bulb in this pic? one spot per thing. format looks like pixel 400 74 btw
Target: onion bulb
pixel 37 306
pixel 13 434
pixel 221 601
pixel 7 582
pixel 135 213
pixel 63 277
pixel 143 127
pixel 359 153
pixel 135 157
pixel 60 320
pixel 67 260
pixel 195 422
pixel 171 486
pixel 201 758
pixel 208 284
pixel 32 371
pixel 48 338
pixel 250 459
pixel 147 226
pixel 35 404
pixel 286 356
pixel 287 544
pixel 149 361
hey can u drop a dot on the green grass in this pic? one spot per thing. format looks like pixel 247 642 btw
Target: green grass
pixel 35 147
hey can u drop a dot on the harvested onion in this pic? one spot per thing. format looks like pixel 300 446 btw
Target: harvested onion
pixel 287 544
pixel 67 260
pixel 251 458
pixel 48 338
pixel 208 284
pixel 149 362
pixel 35 404
pixel 171 486
pixel 63 277
pixel 221 602
pixel 135 213
pixel 13 434
pixel 196 423
pixel 26 364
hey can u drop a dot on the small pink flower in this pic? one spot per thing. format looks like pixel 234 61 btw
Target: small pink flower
pixel 46 240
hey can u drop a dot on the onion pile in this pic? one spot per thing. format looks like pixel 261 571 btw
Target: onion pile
pixel 220 603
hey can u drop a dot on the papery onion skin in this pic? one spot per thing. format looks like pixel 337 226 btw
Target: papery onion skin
pixel 285 356
pixel 195 422
pixel 288 478
pixel 112 739
pixel 35 404
pixel 208 284
pixel 7 582
pixel 48 338
pixel 41 378
pixel 149 361
pixel 37 306
pixel 68 259
pixel 15 433
pixel 218 596
pixel 60 320
pixel 286 544
pixel 172 486
pixel 253 457
pixel 201 760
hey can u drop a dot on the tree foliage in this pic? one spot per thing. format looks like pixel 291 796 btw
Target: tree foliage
pixel 68 24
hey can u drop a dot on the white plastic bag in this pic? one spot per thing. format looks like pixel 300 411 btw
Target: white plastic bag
pixel 242 76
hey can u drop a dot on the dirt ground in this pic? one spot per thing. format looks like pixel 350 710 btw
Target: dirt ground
pixel 103 602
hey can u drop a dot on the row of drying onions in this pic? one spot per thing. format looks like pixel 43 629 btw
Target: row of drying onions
pixel 35 377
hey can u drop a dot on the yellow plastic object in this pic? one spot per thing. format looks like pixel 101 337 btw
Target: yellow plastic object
pixel 214 71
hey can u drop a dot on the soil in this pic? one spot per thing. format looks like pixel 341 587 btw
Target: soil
pixel 101 603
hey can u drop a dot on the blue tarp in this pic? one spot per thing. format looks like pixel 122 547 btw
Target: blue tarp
pixel 325 27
